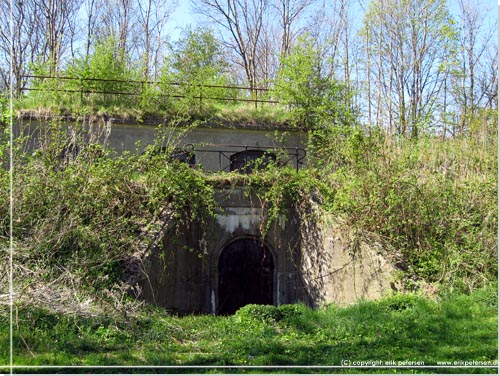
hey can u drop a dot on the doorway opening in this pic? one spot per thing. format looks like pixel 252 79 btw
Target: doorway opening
pixel 246 275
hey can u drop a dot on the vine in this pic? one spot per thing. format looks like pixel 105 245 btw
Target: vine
pixel 86 210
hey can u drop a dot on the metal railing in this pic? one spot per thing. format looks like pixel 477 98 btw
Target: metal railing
pixel 225 152
pixel 252 94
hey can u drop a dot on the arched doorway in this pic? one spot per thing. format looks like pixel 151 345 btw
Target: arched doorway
pixel 246 270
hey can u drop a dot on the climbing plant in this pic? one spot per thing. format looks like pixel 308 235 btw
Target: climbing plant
pixel 86 209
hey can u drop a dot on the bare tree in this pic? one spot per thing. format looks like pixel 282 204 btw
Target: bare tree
pixel 473 79
pixel 27 41
pixel 58 18
pixel 410 44
pixel 92 18
pixel 267 53
pixel 153 16
pixel 243 20
pixel 331 29
pixel 115 20
pixel 289 13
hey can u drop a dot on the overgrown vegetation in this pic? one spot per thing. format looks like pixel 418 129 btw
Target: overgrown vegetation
pixel 85 215
pixel 433 199
pixel 194 80
pixel 408 153
pixel 401 328
pixel 85 211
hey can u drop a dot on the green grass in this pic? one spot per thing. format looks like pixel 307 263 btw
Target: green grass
pixel 43 105
pixel 400 328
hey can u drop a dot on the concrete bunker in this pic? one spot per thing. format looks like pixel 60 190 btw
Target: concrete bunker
pixel 219 266
pixel 245 275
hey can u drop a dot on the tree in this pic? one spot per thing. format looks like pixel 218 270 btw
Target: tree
pixel 24 50
pixel 315 100
pixel 408 41
pixel 244 20
pixel 59 18
pixel 92 10
pixel 40 36
pixel 116 19
pixel 474 85
pixel 153 15
pixel 196 61
pixel 289 13
pixel 197 57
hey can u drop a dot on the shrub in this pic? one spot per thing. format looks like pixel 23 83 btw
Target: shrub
pixel 401 302
pixel 88 214
pixel 264 313
pixel 433 200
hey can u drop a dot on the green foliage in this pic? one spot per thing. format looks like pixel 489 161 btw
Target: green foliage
pixel 196 63
pixel 264 313
pixel 86 210
pixel 197 57
pixel 175 182
pixel 105 62
pixel 487 296
pixel 4 110
pixel 268 314
pixel 313 99
pixel 401 302
pixel 400 328
pixel 194 81
pixel 98 82
pixel 433 200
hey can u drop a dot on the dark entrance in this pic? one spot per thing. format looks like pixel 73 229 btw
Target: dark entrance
pixel 245 276
pixel 247 161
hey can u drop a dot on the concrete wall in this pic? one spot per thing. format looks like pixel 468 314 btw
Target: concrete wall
pixel 132 137
pixel 183 275
pixel 341 265
pixel 315 261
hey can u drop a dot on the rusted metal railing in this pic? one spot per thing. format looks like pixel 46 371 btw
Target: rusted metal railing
pixel 253 97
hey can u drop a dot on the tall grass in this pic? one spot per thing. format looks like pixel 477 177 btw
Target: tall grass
pixel 137 100
pixel 434 200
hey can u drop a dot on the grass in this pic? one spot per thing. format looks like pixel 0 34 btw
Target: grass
pixel 399 328
pixel 42 105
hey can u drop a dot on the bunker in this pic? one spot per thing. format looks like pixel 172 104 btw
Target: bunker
pixel 226 263
pixel 218 266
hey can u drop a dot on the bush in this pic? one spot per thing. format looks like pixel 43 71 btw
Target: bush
pixel 263 313
pixel 400 302
pixel 434 200
pixel 270 314
pixel 88 213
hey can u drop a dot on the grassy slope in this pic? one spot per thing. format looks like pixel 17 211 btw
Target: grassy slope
pixel 458 327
